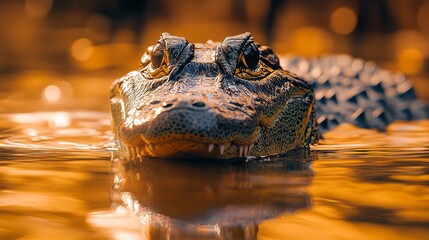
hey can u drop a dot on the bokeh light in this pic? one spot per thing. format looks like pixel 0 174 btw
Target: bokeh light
pixel 311 41
pixel 52 93
pixel 60 120
pixel 81 49
pixel 343 20
pixel 32 132
pixel 409 39
pixel 410 60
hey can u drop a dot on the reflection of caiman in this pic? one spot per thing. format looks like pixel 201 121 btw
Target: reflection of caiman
pixel 233 99
pixel 226 202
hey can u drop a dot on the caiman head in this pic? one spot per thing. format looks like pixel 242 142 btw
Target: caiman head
pixel 214 100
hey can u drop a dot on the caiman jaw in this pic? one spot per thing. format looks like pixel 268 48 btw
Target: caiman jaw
pixel 191 128
pixel 168 150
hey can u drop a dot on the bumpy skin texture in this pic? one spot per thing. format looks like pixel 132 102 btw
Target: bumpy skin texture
pixel 214 100
pixel 233 99
pixel 356 91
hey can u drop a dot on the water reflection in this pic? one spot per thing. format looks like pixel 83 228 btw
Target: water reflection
pixel 49 131
pixel 194 200
pixel 56 182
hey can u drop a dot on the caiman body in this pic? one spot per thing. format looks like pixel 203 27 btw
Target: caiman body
pixel 229 100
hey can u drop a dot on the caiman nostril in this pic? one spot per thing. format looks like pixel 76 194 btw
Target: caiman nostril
pixel 155 102
pixel 166 105
pixel 199 104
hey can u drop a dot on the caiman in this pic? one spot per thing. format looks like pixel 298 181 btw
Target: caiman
pixel 235 99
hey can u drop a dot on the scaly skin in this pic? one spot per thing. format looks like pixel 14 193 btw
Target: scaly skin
pixel 224 100
pixel 351 90
pixel 232 100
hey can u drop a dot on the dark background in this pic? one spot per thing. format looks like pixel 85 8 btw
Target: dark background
pixel 105 39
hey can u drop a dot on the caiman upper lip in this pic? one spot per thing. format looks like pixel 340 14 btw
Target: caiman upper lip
pixel 243 149
pixel 215 137
pixel 135 151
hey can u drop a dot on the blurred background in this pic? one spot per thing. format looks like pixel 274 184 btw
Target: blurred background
pixel 66 53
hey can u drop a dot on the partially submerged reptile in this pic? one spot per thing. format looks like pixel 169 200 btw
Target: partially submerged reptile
pixel 235 99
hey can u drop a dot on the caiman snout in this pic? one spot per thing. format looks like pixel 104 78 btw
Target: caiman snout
pixel 186 126
pixel 181 119
pixel 190 104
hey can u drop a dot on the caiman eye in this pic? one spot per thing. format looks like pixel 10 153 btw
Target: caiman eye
pixel 249 66
pixel 251 56
pixel 157 55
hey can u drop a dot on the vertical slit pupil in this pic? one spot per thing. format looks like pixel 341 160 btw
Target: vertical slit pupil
pixel 251 56
pixel 157 55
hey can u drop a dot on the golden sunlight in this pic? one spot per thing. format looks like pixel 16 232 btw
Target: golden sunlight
pixel 410 60
pixel 81 49
pixel 311 41
pixel 52 93
pixel 59 120
pixel 343 20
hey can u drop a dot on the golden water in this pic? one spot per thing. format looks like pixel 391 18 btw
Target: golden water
pixel 58 181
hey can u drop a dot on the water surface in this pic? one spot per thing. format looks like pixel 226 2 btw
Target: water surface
pixel 60 178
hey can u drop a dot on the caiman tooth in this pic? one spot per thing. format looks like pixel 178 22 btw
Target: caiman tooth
pixel 132 153
pixel 240 151
pixel 129 152
pixel 245 151
pixel 138 151
pixel 151 147
pixel 250 149
pixel 211 146
pixel 221 149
